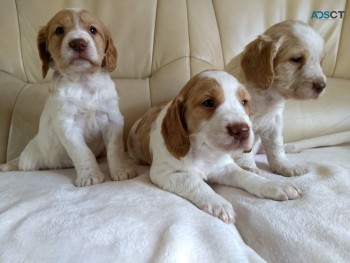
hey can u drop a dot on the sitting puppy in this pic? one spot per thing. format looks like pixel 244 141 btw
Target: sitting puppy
pixel 283 63
pixel 81 114
pixel 190 140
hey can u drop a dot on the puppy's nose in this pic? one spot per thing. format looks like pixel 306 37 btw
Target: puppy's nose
pixel 318 86
pixel 78 44
pixel 238 131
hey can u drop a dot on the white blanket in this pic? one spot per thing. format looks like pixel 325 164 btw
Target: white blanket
pixel 315 228
pixel 45 218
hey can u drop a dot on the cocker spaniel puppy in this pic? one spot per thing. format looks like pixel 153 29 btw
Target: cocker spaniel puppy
pixel 282 63
pixel 81 115
pixel 190 140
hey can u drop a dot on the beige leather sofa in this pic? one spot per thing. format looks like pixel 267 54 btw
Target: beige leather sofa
pixel 161 44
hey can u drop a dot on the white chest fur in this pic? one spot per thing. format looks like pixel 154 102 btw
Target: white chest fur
pixel 88 101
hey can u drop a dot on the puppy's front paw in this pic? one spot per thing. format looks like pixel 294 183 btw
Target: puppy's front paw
pixel 123 172
pixel 220 208
pixel 280 191
pixel 290 170
pixel 89 178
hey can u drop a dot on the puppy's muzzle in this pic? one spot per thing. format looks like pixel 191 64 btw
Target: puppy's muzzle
pixel 78 44
pixel 239 131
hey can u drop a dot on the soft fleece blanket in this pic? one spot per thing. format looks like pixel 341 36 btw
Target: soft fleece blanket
pixel 45 218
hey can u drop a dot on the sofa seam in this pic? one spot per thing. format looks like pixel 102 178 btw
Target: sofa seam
pixel 20 43
pixel 179 58
pixel 217 24
pixel 189 38
pixel 154 43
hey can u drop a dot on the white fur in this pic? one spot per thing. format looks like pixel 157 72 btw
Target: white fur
pixel 207 161
pixel 80 117
pixel 268 105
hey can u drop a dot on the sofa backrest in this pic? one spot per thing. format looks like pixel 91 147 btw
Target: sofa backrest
pixel 160 44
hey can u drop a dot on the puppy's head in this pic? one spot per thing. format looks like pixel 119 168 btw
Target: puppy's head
pixel 287 58
pixel 74 40
pixel 213 109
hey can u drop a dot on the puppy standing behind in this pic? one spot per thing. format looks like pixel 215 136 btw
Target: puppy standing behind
pixel 81 115
pixel 283 63
pixel 190 140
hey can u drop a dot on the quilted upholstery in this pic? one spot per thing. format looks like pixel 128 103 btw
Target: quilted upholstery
pixel 161 44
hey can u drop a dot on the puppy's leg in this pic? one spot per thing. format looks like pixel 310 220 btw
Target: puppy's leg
pixel 272 139
pixel 194 189
pixel 113 139
pixel 88 171
pixel 233 175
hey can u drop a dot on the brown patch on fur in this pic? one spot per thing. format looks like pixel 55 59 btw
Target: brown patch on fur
pixel 174 129
pixel 143 132
pixel 186 113
pixel 257 62
pixel 244 97
pixel 43 53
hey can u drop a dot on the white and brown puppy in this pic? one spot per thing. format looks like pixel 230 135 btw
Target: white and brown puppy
pixel 190 140
pixel 282 63
pixel 81 115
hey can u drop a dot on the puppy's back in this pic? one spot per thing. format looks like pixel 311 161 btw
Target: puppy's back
pixel 139 136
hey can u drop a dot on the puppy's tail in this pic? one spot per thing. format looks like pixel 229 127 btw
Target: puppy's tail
pixel 10 166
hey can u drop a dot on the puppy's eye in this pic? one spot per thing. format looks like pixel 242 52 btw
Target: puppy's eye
pixel 59 30
pixel 297 60
pixel 244 103
pixel 93 30
pixel 208 103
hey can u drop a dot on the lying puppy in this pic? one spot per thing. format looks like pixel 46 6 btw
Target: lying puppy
pixel 283 63
pixel 81 114
pixel 190 140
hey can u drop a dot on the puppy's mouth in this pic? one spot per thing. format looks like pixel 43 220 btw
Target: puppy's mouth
pixel 80 59
pixel 236 138
pixel 229 144
pixel 309 91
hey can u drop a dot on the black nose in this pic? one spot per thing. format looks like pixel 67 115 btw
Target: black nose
pixel 78 44
pixel 318 86
pixel 238 131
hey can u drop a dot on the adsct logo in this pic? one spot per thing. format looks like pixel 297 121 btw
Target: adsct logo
pixel 327 14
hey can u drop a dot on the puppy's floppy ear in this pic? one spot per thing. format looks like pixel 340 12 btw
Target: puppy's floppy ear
pixel 110 59
pixel 257 61
pixel 174 129
pixel 42 44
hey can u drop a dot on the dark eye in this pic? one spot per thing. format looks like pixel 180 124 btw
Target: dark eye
pixel 244 103
pixel 208 103
pixel 59 30
pixel 297 60
pixel 93 30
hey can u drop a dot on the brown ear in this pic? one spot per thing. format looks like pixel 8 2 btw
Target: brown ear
pixel 257 61
pixel 43 53
pixel 110 60
pixel 174 129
